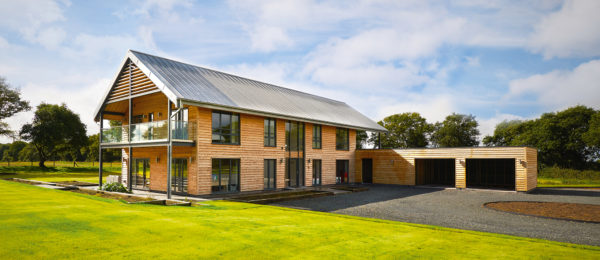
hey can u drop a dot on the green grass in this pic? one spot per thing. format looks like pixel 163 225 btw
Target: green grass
pixel 85 172
pixel 559 177
pixel 41 223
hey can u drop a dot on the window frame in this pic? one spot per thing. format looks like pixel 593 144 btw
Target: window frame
pixel 266 167
pixel 317 140
pixel 231 165
pixel 267 133
pixel 218 131
pixel 346 146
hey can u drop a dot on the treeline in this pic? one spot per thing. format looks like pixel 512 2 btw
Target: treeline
pixel 567 139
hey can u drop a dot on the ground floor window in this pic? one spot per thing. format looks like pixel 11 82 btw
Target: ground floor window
pixel 179 175
pixel 270 174
pixel 316 172
pixel 225 175
pixel 140 178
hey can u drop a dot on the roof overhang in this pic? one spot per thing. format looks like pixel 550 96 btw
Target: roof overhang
pixel 172 95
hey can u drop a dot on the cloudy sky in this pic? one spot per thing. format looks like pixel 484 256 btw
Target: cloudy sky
pixel 494 59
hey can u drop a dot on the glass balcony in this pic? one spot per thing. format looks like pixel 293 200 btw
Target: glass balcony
pixel 150 131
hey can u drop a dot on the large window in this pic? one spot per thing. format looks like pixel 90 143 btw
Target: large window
pixel 270 174
pixel 316 137
pixel 225 175
pixel 270 130
pixel 225 128
pixel 342 139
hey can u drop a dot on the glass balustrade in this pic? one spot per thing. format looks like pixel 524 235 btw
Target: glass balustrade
pixel 150 131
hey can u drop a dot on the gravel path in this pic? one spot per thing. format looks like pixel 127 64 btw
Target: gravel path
pixel 461 209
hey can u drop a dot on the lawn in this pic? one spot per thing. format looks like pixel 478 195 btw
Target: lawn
pixel 43 223
pixel 64 171
pixel 560 177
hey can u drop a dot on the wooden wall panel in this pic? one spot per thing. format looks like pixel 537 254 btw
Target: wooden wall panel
pixel 403 161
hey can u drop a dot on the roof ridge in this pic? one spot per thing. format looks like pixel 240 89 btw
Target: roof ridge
pixel 240 77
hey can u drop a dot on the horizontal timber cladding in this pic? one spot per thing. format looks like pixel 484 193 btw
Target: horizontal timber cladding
pixel 398 166
pixel 158 165
pixel 252 152
pixel 132 81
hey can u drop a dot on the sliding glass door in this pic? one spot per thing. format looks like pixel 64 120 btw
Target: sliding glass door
pixel 140 179
pixel 179 175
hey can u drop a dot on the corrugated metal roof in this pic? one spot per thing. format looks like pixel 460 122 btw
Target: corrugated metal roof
pixel 202 85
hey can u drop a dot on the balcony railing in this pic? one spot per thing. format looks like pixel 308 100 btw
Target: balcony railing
pixel 151 131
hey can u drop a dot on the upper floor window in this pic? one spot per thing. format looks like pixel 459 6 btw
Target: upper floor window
pixel 225 128
pixel 316 137
pixel 270 130
pixel 342 139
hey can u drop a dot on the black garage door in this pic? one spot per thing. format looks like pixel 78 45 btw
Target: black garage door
pixel 435 172
pixel 491 173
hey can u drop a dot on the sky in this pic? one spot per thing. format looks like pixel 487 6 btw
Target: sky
pixel 496 60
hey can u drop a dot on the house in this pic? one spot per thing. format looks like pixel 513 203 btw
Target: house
pixel 229 134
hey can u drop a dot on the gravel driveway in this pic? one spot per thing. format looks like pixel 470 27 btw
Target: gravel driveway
pixel 461 209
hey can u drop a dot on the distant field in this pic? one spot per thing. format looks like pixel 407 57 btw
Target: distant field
pixel 558 177
pixel 62 172
pixel 38 223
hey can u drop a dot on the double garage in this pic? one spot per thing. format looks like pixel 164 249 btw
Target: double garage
pixel 507 168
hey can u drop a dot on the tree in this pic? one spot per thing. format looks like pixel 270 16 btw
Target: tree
pixel 406 130
pixel 90 152
pixel 592 136
pixel 10 104
pixel 29 154
pixel 504 133
pixel 455 131
pixel 55 129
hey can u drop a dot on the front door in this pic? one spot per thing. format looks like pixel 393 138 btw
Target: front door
pixel 341 171
pixel 140 179
pixel 294 163
pixel 179 175
pixel 367 170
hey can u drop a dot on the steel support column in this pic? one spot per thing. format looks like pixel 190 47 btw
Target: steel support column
pixel 169 149
pixel 130 158
pixel 100 152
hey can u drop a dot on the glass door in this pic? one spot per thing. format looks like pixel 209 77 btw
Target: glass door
pixel 269 177
pixel 316 179
pixel 179 175
pixel 140 179
pixel 294 147
pixel 341 171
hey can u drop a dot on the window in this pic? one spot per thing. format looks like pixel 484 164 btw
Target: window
pixel 316 137
pixel 225 128
pixel 270 174
pixel 270 130
pixel 225 175
pixel 342 139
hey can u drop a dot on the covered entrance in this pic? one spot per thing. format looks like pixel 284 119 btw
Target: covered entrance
pixel 435 172
pixel 491 173
pixel 294 161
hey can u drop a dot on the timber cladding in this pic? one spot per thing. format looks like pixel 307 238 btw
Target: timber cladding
pixel 398 166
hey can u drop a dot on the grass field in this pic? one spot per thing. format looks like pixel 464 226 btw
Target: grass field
pixel 558 177
pixel 64 171
pixel 42 223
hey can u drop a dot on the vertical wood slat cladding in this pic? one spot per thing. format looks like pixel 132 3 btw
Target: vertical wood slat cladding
pixel 140 83
pixel 398 166
pixel 252 151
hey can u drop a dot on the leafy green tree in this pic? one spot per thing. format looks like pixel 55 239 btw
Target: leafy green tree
pixel 592 136
pixel 455 131
pixel 90 152
pixel 10 104
pixel 29 154
pixel 504 133
pixel 3 147
pixel 12 153
pixel 406 130
pixel 55 129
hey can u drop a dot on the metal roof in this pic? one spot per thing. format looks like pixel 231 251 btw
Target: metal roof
pixel 205 87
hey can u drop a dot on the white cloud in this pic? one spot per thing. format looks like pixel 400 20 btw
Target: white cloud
pixel 570 32
pixel 51 37
pixel 562 88
pixel 30 17
pixel 432 108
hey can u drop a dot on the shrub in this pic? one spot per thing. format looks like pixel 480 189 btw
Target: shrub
pixel 560 173
pixel 115 187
